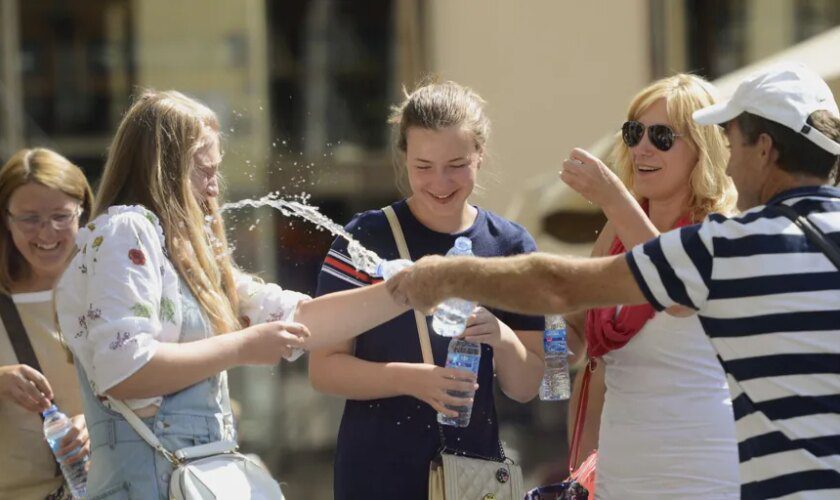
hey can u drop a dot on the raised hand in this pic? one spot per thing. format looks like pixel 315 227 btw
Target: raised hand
pixel 591 178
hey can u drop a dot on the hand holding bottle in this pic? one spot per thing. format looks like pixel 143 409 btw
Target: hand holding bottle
pixel 26 387
pixel 432 384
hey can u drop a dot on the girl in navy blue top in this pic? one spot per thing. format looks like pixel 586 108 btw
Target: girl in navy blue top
pixel 389 432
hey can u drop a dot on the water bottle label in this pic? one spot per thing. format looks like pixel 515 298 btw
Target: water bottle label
pixel 463 361
pixel 554 341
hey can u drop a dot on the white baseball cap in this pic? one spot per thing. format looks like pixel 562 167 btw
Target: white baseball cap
pixel 785 93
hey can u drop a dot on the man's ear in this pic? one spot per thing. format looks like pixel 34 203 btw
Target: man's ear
pixel 766 148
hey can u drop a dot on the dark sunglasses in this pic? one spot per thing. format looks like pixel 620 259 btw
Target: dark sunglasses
pixel 661 136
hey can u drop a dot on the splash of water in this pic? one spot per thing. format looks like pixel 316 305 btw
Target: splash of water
pixel 362 258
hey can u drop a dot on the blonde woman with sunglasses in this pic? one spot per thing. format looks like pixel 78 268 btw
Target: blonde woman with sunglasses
pixel 658 407
pixel 43 196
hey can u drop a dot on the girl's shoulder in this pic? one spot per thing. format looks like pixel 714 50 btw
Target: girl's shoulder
pixel 508 233
pixel 121 220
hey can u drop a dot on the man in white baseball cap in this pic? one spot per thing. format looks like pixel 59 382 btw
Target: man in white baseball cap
pixel 765 285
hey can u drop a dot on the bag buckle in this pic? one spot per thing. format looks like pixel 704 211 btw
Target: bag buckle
pixel 175 461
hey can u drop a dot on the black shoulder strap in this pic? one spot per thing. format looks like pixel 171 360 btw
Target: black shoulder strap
pixel 20 340
pixel 812 232
pixel 17 333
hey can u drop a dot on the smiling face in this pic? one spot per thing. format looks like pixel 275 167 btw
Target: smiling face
pixel 661 176
pixel 44 248
pixel 442 168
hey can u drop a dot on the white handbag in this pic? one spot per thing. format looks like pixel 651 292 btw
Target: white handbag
pixel 213 471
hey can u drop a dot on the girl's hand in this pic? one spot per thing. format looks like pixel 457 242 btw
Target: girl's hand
pixel 25 386
pixel 483 327
pixel 76 438
pixel 430 383
pixel 267 343
pixel 591 178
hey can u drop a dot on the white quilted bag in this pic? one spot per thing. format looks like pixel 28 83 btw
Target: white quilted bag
pixel 454 477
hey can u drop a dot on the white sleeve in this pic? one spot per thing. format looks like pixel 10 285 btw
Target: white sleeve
pixel 122 262
pixel 262 302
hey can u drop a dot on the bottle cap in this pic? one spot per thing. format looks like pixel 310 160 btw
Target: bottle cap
pixel 52 409
pixel 463 243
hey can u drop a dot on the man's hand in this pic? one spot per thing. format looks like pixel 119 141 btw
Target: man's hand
pixel 25 386
pixel 421 286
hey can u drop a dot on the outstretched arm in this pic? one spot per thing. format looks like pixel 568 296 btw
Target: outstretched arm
pixel 536 283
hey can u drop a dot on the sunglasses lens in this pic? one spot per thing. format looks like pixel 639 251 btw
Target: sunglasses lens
pixel 661 136
pixel 632 132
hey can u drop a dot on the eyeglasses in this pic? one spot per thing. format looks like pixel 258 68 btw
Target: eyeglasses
pixel 32 223
pixel 661 136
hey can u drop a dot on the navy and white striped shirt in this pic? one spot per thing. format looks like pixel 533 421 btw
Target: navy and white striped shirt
pixel 769 301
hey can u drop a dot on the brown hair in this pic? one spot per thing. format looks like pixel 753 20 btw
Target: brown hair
pixel 796 153
pixel 434 106
pixel 711 189
pixel 50 169
pixel 149 163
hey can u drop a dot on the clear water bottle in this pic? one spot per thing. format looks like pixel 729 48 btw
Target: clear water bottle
pixel 451 316
pixel 387 268
pixel 465 356
pixel 555 382
pixel 56 425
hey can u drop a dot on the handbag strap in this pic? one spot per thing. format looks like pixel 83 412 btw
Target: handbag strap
pixel 141 428
pixel 423 327
pixel 580 414
pixel 812 232
pixel 402 248
pixel 17 333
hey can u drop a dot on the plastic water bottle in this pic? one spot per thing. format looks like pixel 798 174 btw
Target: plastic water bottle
pixel 56 425
pixel 387 268
pixel 465 356
pixel 555 382
pixel 451 316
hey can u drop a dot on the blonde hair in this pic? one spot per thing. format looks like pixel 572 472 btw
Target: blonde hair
pixel 711 189
pixel 436 105
pixel 47 168
pixel 149 163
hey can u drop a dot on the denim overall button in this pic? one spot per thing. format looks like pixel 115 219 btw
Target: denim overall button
pixel 159 425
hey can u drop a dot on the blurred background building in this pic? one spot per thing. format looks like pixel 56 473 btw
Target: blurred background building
pixel 303 90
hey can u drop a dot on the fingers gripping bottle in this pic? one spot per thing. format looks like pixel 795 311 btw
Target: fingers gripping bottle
pixel 555 382
pixel 465 356
pixel 56 425
pixel 451 316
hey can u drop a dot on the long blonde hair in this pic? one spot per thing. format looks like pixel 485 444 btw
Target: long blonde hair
pixel 49 169
pixel 711 189
pixel 149 163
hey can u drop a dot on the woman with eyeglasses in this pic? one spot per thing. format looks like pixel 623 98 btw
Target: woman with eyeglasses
pixel 42 197
pixel 658 410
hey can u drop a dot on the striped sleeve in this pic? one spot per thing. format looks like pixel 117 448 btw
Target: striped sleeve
pixel 338 272
pixel 675 268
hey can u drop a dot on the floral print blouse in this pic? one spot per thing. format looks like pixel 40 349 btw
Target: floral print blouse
pixel 120 298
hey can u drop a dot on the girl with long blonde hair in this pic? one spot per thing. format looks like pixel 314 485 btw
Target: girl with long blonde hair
pixel 154 309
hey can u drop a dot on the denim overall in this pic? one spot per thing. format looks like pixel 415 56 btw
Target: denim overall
pixel 122 464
